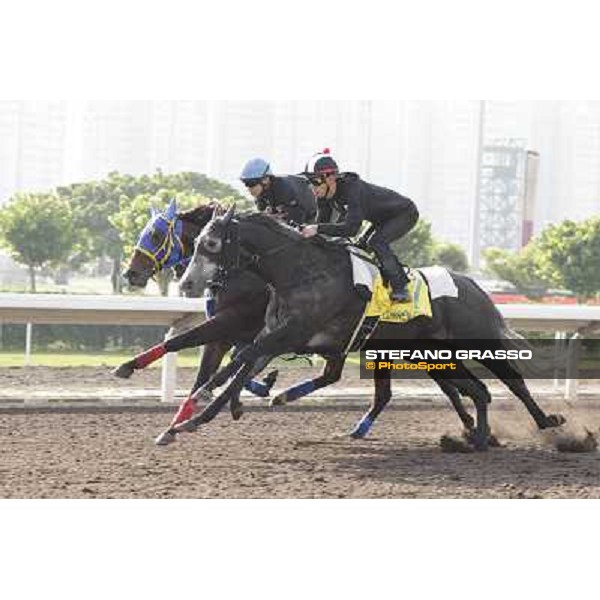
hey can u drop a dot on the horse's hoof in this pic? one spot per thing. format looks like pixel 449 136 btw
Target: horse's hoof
pixel 493 441
pixel 124 371
pixel 270 379
pixel 470 436
pixel 478 442
pixel 279 400
pixel 166 438
pixel 361 430
pixel 189 426
pixel 555 421
pixel 237 411
pixel 462 445
pixel 470 424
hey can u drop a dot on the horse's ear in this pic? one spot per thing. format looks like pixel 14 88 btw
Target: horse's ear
pixel 229 215
pixel 171 211
pixel 218 210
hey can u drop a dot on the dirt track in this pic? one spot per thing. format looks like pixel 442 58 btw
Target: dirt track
pixel 290 453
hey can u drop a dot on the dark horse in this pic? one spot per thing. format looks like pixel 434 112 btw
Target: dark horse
pixel 241 302
pixel 314 307
pixel 166 241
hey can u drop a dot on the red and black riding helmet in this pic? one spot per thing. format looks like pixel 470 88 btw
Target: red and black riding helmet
pixel 320 164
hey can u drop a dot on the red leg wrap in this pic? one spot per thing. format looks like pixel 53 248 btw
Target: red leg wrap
pixel 185 412
pixel 149 356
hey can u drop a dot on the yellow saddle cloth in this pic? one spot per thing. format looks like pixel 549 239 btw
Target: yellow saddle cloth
pixel 389 311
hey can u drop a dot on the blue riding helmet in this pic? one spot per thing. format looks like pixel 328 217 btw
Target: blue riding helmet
pixel 256 168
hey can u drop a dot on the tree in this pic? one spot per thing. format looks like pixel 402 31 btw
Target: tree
pixel 37 230
pixel 570 256
pixel 416 247
pixel 522 268
pixel 563 255
pixel 134 213
pixel 451 256
pixel 94 203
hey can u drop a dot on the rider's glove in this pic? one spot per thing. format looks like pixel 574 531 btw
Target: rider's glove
pixel 362 242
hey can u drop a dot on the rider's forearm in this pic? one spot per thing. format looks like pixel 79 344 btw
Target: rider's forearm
pixel 344 229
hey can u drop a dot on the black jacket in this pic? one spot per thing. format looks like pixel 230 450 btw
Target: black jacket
pixel 290 195
pixel 357 201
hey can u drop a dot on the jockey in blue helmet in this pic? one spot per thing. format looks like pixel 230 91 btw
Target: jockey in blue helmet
pixel 289 196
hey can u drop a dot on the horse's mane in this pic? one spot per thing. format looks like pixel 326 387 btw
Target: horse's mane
pixel 197 215
pixel 319 242
pixel 270 223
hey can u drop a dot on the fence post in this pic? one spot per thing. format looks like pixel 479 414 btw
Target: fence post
pixel 169 375
pixel 28 336
pixel 572 367
pixel 559 347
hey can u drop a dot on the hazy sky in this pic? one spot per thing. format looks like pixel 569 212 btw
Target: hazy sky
pixel 425 149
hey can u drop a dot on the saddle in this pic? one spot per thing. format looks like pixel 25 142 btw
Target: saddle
pixel 380 308
pixel 389 311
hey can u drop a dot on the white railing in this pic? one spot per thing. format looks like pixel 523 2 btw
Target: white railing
pixel 576 320
pixel 570 318
pixel 101 310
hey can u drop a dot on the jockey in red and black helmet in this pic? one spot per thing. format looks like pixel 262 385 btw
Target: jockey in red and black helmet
pixel 391 215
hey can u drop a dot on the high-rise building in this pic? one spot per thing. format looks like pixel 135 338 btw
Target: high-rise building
pixel 439 164
pixel 567 136
pixel 116 136
pixel 32 145
pixel 427 150
pixel 9 148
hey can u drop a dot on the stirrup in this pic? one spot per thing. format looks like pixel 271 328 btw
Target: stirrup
pixel 402 295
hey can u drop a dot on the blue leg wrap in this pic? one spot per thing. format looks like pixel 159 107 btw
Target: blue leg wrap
pixel 362 427
pixel 300 390
pixel 258 388
pixel 210 307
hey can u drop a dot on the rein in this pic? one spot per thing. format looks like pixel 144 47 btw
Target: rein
pixel 235 256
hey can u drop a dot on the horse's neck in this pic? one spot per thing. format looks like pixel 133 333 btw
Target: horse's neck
pixel 190 232
pixel 264 240
pixel 283 258
pixel 268 246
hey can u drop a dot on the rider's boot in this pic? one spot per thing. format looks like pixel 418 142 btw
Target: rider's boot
pixel 399 285
pixel 393 270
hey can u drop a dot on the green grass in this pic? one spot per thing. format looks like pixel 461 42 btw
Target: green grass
pixel 77 359
pixel 186 358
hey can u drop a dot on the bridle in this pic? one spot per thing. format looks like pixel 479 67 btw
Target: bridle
pixel 234 256
pixel 171 251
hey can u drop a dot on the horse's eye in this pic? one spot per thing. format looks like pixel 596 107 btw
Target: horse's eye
pixel 211 245
pixel 156 237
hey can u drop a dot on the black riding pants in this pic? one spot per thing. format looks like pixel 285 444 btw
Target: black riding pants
pixel 387 232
